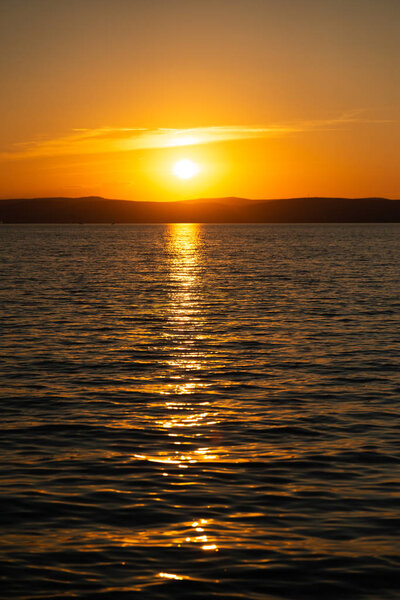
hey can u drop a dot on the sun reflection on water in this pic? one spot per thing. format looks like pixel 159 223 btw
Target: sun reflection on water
pixel 184 316
pixel 183 330
pixel 188 421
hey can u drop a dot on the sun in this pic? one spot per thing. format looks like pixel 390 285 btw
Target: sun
pixel 185 168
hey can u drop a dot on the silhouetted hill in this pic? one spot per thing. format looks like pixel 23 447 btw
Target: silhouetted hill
pixel 93 209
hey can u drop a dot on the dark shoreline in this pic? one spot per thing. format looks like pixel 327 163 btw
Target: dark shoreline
pixel 214 210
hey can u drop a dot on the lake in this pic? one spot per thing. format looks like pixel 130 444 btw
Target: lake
pixel 200 411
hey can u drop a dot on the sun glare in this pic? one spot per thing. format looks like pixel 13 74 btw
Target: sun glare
pixel 185 168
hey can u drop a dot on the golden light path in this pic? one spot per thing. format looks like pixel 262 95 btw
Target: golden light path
pixel 184 318
pixel 184 422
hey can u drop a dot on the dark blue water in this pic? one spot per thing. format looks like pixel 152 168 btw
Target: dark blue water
pixel 200 411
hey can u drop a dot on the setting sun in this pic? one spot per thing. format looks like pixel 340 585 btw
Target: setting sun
pixel 185 168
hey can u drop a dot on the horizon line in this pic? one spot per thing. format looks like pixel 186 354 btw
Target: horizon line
pixel 202 198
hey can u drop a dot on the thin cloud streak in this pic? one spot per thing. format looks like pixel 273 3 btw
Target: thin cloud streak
pixel 107 140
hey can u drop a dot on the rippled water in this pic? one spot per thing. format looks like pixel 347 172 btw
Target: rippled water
pixel 200 411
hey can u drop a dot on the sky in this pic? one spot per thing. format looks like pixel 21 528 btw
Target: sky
pixel 267 98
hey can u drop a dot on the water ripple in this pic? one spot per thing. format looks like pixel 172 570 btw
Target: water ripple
pixel 200 412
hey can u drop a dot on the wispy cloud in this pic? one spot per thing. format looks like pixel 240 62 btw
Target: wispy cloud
pixel 106 140
pixel 109 140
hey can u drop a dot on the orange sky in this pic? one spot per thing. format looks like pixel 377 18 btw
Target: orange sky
pixel 271 99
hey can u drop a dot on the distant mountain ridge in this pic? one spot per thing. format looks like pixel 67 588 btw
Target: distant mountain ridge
pixel 94 209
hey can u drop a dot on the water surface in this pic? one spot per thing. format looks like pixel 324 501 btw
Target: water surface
pixel 200 411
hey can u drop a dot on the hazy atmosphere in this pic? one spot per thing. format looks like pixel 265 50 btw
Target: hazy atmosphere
pixel 268 99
